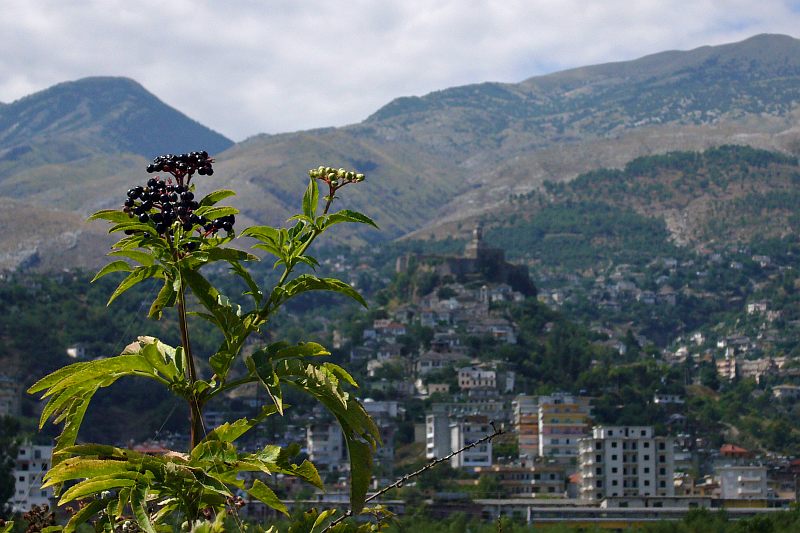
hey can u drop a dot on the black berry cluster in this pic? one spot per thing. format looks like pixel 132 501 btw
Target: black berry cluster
pixel 183 165
pixel 165 203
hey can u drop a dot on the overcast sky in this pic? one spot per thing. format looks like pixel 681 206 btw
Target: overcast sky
pixel 244 67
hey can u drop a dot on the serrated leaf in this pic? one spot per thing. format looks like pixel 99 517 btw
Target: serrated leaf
pixel 82 467
pixel 360 471
pixel 265 495
pixel 98 484
pixel 139 508
pixel 346 215
pixel 216 212
pixel 216 196
pixel 166 298
pixel 262 233
pixel 311 199
pixel 307 282
pixel 112 215
pixel 84 514
pixel 138 275
pixel 114 266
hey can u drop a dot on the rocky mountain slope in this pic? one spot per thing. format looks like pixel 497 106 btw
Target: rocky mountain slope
pixel 434 163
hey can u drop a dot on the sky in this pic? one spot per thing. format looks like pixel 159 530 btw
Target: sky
pixel 243 67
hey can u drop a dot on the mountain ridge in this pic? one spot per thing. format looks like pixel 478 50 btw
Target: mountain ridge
pixel 438 162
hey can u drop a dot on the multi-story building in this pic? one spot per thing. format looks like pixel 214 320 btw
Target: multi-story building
pixel 465 431
pixel 742 482
pixel 528 479
pixel 326 446
pixel 438 422
pixel 626 461
pixel 563 419
pixel 526 425
pixel 33 462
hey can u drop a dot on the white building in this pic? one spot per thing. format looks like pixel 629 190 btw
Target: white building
pixel 563 420
pixel 742 482
pixel 626 461
pixel 465 431
pixel 326 446
pixel 32 464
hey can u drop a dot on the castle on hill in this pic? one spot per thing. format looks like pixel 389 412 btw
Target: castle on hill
pixel 479 262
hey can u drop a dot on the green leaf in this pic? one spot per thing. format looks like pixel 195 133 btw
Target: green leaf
pixel 307 282
pixel 231 255
pixel 360 471
pixel 262 233
pixel 265 495
pixel 98 484
pixel 114 266
pixel 230 431
pixel 216 196
pixel 145 258
pixel 255 291
pixel 112 215
pixel 84 514
pixel 166 298
pixel 138 275
pixel 83 467
pixel 346 215
pixel 311 199
pixel 139 507
pixel 216 212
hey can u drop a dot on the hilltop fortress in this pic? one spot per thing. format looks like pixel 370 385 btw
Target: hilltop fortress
pixel 479 263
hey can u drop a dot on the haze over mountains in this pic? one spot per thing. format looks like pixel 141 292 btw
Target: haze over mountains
pixel 434 163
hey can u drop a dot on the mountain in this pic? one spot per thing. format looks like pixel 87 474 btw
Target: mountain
pixel 652 207
pixel 475 146
pixel 434 163
pixel 99 114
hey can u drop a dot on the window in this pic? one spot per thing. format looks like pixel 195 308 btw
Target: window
pixel 614 470
pixel 646 482
pixel 598 483
pixel 614 457
pixel 647 444
pixel 662 458
pixel 647 470
pixel 614 444
pixel 598 471
pixel 598 445
pixel 599 458
pixel 662 471
pixel 614 482
pixel 662 446
pixel 646 458
pixel 662 484
pixel 643 432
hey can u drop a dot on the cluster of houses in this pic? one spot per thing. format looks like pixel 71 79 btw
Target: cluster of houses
pixel 562 454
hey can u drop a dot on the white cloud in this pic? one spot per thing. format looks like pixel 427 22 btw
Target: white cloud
pixel 249 66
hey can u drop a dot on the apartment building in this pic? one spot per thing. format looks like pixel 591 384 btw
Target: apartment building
pixel 325 445
pixel 465 431
pixel 626 461
pixel 737 482
pixel 563 420
pixel 32 463
pixel 526 425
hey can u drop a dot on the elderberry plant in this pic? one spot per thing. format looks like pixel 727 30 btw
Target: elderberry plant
pixel 170 236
